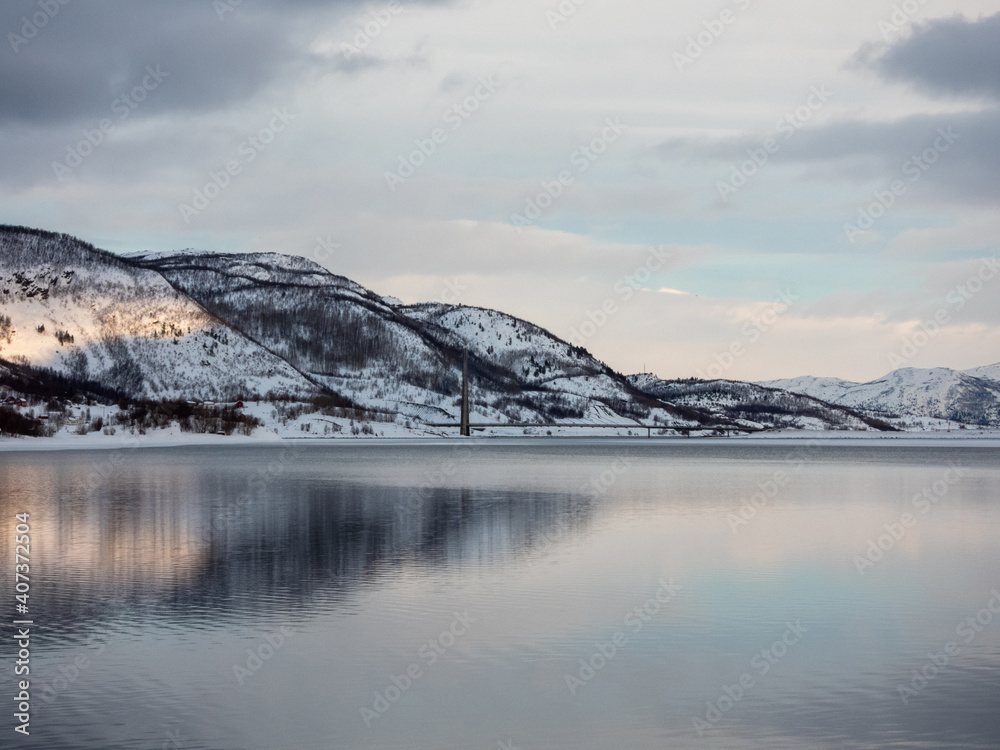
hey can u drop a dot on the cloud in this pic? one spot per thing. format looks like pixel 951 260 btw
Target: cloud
pixel 86 55
pixel 963 170
pixel 950 56
pixel 879 152
pixel 356 115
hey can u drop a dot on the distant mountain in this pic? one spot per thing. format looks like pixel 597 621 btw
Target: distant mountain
pixel 829 390
pixel 988 372
pixel 971 397
pixel 757 406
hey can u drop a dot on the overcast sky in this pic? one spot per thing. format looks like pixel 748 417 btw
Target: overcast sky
pixel 740 188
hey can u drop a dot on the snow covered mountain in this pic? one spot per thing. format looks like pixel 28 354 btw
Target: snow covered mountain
pixel 319 351
pixel 987 372
pixel 971 397
pixel 383 355
pixel 219 327
pixel 91 315
pixel 757 406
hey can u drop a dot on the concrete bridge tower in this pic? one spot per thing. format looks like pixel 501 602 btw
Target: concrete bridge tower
pixel 466 431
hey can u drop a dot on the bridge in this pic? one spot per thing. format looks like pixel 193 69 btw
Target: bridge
pixel 466 427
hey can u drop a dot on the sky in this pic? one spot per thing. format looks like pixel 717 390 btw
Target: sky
pixel 748 189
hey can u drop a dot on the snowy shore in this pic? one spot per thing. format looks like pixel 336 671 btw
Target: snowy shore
pixel 172 438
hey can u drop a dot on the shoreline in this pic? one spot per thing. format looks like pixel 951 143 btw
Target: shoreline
pixel 264 438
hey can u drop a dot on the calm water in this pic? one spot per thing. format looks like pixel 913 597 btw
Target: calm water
pixel 547 595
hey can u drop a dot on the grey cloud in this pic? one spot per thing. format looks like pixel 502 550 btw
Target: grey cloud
pixel 88 54
pixel 358 63
pixel 879 151
pixel 363 61
pixel 965 173
pixel 452 82
pixel 951 56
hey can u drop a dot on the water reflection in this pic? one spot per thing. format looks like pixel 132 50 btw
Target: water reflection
pixel 169 566
pixel 164 529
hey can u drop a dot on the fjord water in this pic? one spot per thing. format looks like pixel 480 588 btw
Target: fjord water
pixel 535 595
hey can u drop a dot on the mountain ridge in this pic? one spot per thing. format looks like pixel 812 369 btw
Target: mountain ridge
pixel 203 326
pixel 938 393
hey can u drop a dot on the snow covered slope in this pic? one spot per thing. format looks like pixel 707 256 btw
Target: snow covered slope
pixel 387 356
pixel 511 350
pixel 987 372
pixel 824 389
pixel 216 326
pixel 755 405
pixel 940 393
pixel 90 315
pixel 340 333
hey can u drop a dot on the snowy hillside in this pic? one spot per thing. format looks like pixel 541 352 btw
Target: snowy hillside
pixel 988 372
pixel 92 316
pixel 940 393
pixel 314 354
pixel 518 351
pixel 385 356
pixel 755 405
pixel 824 389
